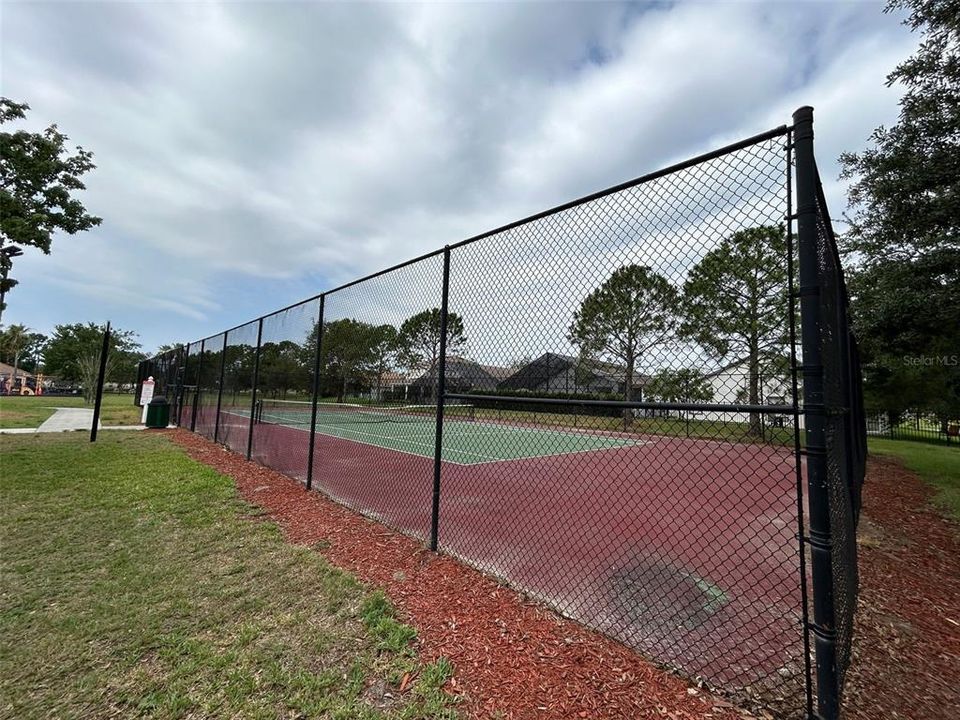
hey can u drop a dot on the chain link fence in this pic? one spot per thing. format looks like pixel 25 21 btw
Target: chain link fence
pixel 285 378
pixel 919 424
pixel 166 370
pixel 602 405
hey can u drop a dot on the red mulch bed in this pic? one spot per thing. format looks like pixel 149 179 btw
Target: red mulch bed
pixel 516 658
pixel 512 658
pixel 907 644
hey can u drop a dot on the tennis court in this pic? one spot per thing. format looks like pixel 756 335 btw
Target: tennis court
pixel 411 429
pixel 635 512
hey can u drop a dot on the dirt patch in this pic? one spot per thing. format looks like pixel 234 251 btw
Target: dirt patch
pixel 651 588
pixel 906 660
pixel 512 658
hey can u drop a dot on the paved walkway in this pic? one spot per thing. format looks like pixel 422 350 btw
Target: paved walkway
pixel 68 419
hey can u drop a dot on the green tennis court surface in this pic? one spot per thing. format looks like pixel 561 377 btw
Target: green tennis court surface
pixel 466 441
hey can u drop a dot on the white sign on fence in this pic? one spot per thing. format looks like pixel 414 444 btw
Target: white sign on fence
pixel 146 395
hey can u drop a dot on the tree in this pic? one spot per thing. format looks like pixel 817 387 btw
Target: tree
pixel 736 304
pixel 631 313
pixel 238 363
pixel 31 351
pixel 686 385
pixel 164 349
pixel 383 353
pixel 904 236
pixel 38 177
pixel 348 352
pixel 32 356
pixel 13 342
pixel 286 365
pixel 74 349
pixel 418 341
pixel 123 362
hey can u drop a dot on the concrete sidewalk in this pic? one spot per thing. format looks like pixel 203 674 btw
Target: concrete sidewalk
pixel 65 419
pixel 68 420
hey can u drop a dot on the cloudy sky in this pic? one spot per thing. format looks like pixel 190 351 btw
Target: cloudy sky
pixel 253 154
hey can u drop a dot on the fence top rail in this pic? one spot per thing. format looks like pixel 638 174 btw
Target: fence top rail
pixel 635 405
pixel 649 177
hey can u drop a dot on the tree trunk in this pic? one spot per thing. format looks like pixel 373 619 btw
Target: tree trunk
pixel 628 392
pixel 754 394
pixel 13 380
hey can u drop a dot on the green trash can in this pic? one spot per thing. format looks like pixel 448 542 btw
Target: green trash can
pixel 158 413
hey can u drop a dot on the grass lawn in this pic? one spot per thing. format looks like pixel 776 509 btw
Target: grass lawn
pixel 137 584
pixel 938 465
pixel 23 411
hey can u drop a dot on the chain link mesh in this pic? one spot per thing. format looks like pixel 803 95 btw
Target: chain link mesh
pixel 619 420
pixel 208 386
pixel 189 384
pixel 845 433
pixel 672 530
pixel 287 354
pixel 380 351
pixel 165 369
pixel 236 399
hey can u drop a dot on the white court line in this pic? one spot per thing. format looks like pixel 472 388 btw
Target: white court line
pixel 489 428
pixel 488 458
pixel 618 442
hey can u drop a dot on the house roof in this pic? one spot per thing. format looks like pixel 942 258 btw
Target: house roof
pixel 550 364
pixel 7 371
pixel 463 369
pixel 538 371
pixel 498 372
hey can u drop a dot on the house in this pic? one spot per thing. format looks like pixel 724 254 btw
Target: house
pixel 462 376
pixel 394 386
pixel 730 385
pixel 565 374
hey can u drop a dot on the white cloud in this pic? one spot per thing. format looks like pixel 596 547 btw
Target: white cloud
pixel 248 150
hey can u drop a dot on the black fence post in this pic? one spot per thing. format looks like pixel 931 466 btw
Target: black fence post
pixel 178 384
pixel 316 393
pixel 101 377
pixel 441 388
pixel 253 394
pixel 140 378
pixel 183 383
pixel 797 444
pixel 196 388
pixel 814 413
pixel 223 367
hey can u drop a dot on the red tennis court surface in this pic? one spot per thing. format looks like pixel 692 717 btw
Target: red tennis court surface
pixel 683 549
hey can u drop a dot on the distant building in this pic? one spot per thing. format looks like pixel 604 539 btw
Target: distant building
pixel 462 376
pixel 23 384
pixel 731 385
pixel 565 374
pixel 417 384
pixel 394 386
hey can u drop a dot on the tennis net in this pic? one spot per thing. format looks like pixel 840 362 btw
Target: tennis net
pixel 298 413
